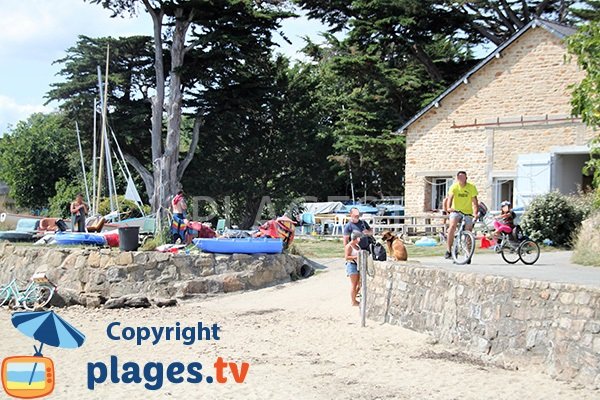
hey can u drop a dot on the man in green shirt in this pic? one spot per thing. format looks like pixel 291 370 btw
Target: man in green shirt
pixel 462 197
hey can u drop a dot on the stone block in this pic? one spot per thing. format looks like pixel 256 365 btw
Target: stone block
pixel 582 298
pixel 169 274
pixel 116 274
pixel 161 302
pixel 55 259
pixel 94 259
pixel 566 298
pixel 161 257
pixel 124 258
pixel 140 257
pixel 232 283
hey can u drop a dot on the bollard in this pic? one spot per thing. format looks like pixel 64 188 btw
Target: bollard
pixel 362 267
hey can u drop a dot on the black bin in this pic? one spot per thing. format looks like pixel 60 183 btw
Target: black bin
pixel 129 238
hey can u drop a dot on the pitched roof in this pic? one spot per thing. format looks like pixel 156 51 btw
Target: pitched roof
pixel 561 31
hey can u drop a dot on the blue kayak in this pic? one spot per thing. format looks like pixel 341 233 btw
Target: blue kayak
pixel 240 245
pixel 75 238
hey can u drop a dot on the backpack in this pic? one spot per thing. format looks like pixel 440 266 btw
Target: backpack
pixel 61 225
pixel 378 252
pixel 517 234
pixel 366 242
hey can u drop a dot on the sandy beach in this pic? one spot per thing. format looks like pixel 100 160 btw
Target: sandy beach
pixel 302 340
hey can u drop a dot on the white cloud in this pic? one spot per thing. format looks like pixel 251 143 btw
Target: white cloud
pixel 11 111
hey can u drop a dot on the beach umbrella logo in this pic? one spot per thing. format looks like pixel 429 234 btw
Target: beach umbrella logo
pixel 28 377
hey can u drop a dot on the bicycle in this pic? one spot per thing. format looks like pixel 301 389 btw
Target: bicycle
pixel 463 246
pixel 37 294
pixel 515 248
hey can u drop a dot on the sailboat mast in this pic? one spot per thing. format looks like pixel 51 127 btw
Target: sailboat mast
pixel 87 190
pixel 103 131
pixel 93 204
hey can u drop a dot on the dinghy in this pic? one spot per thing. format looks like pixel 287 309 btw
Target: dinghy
pixel 79 238
pixel 240 245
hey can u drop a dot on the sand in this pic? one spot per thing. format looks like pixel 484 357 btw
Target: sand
pixel 302 340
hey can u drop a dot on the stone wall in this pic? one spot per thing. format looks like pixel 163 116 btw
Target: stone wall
pixel 93 276
pixel 507 321
pixel 531 80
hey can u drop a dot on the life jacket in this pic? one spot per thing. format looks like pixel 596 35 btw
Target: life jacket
pixel 282 228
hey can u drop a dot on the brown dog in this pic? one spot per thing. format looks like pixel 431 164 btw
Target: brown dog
pixel 395 246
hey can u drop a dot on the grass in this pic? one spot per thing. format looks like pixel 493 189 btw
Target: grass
pixel 587 245
pixel 334 248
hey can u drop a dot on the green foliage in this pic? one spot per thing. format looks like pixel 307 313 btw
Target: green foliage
pixel 65 194
pixel 585 45
pixel 553 216
pixel 34 156
pixel 587 10
pixel 131 74
pixel 127 208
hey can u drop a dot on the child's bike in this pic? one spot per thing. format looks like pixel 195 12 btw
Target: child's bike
pixel 37 294
pixel 515 247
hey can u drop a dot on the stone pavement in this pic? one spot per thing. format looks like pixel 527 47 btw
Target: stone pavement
pixel 553 266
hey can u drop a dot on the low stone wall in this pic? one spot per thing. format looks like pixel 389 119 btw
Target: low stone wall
pixel 93 276
pixel 507 321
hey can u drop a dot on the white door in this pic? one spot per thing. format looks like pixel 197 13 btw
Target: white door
pixel 534 174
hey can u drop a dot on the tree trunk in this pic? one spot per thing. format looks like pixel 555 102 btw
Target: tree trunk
pixel 427 62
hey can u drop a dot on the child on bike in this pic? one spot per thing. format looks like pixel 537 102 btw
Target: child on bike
pixel 505 222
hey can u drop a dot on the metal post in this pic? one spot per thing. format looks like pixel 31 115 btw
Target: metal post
pixel 362 267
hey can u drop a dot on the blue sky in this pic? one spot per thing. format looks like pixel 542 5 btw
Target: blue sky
pixel 37 32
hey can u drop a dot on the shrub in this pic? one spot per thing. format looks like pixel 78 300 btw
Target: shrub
pixel 587 245
pixel 552 216
pixel 584 203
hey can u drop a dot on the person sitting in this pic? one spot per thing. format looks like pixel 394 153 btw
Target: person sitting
pixel 505 222
pixel 48 225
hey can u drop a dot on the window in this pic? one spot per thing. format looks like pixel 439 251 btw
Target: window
pixel 503 190
pixel 439 190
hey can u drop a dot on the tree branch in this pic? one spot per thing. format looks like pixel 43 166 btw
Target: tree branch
pixel 526 11
pixel 487 34
pixel 504 20
pixel 539 10
pixel 511 14
pixel 144 173
pixel 427 62
pixel 183 164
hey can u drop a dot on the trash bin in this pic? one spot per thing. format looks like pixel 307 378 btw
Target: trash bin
pixel 129 238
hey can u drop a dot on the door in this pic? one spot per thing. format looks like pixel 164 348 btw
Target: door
pixel 534 174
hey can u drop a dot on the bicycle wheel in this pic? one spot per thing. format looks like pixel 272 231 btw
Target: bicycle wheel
pixel 39 297
pixel 510 253
pixel 5 296
pixel 529 252
pixel 463 247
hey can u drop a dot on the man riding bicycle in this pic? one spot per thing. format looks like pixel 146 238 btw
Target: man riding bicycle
pixel 462 197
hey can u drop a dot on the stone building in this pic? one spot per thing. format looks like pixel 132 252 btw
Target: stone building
pixel 507 122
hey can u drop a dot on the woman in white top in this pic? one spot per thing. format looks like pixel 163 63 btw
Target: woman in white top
pixel 351 256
